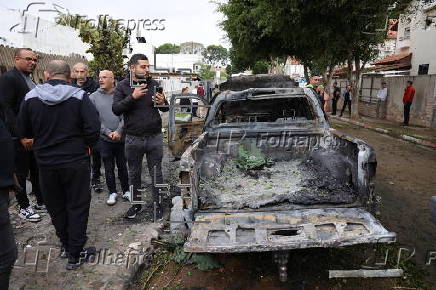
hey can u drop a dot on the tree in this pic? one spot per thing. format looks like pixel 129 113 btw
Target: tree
pixel 106 40
pixel 321 34
pixel 216 55
pixel 206 72
pixel 191 47
pixel 168 48
pixel 260 67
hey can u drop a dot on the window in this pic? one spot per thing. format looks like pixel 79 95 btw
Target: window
pixel 407 33
pixel 265 110
pixel 423 69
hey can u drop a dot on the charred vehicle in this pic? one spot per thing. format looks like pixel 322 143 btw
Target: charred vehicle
pixel 268 173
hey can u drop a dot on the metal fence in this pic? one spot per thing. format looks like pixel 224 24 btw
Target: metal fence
pixel 7 61
pixel 368 88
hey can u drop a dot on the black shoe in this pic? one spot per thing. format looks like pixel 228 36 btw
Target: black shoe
pixel 96 186
pixel 133 211
pixel 75 262
pixel 175 159
pixel 64 252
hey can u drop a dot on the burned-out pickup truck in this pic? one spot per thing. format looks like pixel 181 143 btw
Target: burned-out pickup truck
pixel 268 173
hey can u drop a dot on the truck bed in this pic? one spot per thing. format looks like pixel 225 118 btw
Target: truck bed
pixel 300 181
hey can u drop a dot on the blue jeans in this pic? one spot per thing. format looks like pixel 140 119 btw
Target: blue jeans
pixel 113 153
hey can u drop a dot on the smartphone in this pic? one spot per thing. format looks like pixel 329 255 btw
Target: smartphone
pixel 159 90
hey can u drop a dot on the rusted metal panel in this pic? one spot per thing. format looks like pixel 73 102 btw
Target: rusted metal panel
pixel 285 230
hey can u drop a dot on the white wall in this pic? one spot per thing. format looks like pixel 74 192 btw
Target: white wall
pixel 9 18
pixel 40 35
pixel 387 48
pixel 422 41
pixel 174 62
pixel 423 50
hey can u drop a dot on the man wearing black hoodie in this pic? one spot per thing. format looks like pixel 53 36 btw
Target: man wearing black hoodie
pixel 143 128
pixel 8 249
pixel 82 80
pixel 64 123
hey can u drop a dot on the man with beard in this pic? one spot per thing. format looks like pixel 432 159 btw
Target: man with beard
pixel 143 128
pixel 14 85
pixel 82 80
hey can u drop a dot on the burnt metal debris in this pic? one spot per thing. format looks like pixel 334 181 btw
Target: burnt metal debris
pixel 318 192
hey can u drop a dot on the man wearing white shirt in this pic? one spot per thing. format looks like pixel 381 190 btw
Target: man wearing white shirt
pixel 382 94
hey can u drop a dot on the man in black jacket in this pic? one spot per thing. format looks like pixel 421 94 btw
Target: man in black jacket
pixel 143 128
pixel 14 85
pixel 336 96
pixel 82 80
pixel 64 123
pixel 8 249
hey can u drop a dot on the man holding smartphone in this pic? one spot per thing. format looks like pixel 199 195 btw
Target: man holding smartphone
pixel 143 127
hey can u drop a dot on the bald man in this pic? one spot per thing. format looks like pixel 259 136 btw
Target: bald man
pixel 64 123
pixel 81 79
pixel 111 144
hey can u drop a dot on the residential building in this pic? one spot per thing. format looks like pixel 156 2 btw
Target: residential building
pixel 22 29
pixel 417 36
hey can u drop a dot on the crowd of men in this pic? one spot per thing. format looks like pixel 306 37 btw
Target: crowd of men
pixel 56 134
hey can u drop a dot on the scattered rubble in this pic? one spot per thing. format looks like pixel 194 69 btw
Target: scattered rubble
pixel 298 181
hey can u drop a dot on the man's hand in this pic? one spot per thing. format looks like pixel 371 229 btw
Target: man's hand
pixel 16 187
pixel 27 143
pixel 116 136
pixel 160 99
pixel 138 93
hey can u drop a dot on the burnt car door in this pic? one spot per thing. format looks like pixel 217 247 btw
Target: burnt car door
pixel 186 119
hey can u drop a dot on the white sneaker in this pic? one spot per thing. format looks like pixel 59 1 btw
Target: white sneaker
pixel 112 198
pixel 40 208
pixel 126 196
pixel 29 214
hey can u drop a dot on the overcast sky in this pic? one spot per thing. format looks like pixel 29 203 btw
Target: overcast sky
pixel 185 20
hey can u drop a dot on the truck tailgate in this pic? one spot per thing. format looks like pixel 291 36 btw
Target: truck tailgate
pixel 284 230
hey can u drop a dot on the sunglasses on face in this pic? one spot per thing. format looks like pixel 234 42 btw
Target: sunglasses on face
pixel 29 59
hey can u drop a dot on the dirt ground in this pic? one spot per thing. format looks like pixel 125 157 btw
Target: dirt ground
pixel 108 231
pixel 406 180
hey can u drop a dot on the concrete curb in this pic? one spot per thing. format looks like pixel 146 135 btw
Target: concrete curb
pixel 408 138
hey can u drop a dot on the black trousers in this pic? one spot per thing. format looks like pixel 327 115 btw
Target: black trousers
pixel 347 103
pixel 8 248
pixel 334 106
pixel 96 164
pixel 25 164
pixel 407 113
pixel 67 195
pixel 152 148
pixel 113 153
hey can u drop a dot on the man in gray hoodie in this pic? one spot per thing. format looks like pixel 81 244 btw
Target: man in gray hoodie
pixel 111 144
